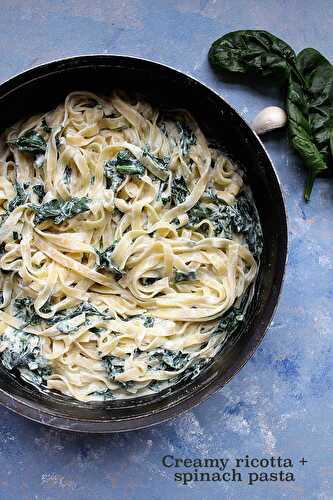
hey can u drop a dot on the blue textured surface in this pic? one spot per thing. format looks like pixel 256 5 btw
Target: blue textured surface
pixel 281 402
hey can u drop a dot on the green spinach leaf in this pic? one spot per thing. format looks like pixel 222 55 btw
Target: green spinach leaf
pixel 113 366
pixel 148 321
pixel 162 163
pixel 84 307
pixel 45 126
pixel 67 177
pixel 39 190
pixel 254 51
pixel 29 142
pixel 165 359
pixel 124 164
pixel 23 309
pixel 180 276
pixel 240 218
pixel 23 352
pixel 310 113
pixel 58 210
pixel 179 190
pixel 104 395
pixel 104 261
pixel 187 138
pixel 20 197
pixel 309 78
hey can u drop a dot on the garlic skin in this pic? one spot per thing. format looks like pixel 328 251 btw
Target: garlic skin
pixel 268 119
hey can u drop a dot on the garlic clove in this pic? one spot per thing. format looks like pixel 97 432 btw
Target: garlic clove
pixel 268 119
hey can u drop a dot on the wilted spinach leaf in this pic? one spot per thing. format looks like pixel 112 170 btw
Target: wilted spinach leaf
pixel 106 394
pixel 148 321
pixel 17 237
pixel 180 276
pixel 149 281
pixel 124 164
pixel 179 190
pixel 113 365
pixel 45 126
pixel 29 142
pixel 240 218
pixel 39 190
pixel 67 176
pixel 23 308
pixel 58 210
pixel 165 359
pixel 163 163
pixel 84 307
pixel 23 352
pixel 187 138
pixel 20 197
pixel 104 261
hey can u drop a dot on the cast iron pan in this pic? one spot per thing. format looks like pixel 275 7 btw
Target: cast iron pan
pixel 41 89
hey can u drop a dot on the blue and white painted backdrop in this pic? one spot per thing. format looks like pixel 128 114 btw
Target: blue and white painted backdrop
pixel 281 402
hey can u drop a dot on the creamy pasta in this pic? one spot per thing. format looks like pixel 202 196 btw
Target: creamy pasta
pixel 128 248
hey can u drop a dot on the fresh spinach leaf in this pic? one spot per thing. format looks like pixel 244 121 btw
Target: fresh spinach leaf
pixel 58 210
pixel 310 113
pixel 309 78
pixel 29 142
pixel 254 51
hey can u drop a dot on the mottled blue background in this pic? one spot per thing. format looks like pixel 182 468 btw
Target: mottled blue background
pixel 281 402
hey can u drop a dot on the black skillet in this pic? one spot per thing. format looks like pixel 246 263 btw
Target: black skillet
pixel 42 88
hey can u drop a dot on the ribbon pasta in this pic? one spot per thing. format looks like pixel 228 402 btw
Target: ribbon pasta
pixel 118 276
